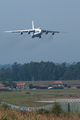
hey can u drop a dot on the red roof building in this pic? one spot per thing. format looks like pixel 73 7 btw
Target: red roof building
pixel 59 83
pixel 2 87
pixel 21 85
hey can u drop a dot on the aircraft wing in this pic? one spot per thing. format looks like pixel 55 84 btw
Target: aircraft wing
pixel 22 31
pixel 47 31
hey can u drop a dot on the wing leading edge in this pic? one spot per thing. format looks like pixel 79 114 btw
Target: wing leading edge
pixel 22 31
pixel 53 32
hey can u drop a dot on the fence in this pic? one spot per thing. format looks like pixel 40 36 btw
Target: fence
pixel 67 106
pixel 70 106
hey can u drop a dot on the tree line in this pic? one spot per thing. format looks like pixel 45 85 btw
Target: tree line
pixel 40 71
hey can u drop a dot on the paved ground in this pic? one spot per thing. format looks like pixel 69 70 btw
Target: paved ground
pixel 61 100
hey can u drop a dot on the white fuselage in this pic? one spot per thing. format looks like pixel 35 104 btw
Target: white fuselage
pixel 37 33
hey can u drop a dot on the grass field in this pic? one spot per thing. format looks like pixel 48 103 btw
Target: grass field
pixel 29 97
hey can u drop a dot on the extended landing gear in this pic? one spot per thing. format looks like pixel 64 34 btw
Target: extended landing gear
pixel 32 36
pixel 40 36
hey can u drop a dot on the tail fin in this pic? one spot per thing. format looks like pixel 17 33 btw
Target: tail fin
pixel 32 25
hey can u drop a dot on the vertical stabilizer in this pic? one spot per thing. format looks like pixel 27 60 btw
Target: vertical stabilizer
pixel 32 25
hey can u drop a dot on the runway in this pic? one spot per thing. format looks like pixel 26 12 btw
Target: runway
pixel 60 100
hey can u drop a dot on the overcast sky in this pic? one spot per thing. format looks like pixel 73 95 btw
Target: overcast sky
pixel 61 15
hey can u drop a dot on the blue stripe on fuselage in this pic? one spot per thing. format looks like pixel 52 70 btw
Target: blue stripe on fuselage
pixel 36 31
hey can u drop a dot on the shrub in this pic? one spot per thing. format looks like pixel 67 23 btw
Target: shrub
pixel 57 108
pixel 3 118
pixel 6 90
pixel 5 106
pixel 69 86
pixel 27 92
pixel 43 111
pixel 30 86
pixel 78 87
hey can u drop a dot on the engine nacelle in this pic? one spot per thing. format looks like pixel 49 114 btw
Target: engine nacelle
pixel 28 32
pixel 21 33
pixel 46 32
pixel 52 33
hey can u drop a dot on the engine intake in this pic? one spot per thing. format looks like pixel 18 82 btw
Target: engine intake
pixel 52 33
pixel 21 33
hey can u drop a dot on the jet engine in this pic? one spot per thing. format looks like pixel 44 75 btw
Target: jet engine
pixel 21 33
pixel 52 33
pixel 46 32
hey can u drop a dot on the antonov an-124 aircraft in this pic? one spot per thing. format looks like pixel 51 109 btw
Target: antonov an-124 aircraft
pixel 35 32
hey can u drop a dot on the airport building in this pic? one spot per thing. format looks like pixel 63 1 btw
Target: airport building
pixel 59 83
pixel 3 87
pixel 21 85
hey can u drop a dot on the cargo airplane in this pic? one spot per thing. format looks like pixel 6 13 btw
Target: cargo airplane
pixel 35 32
